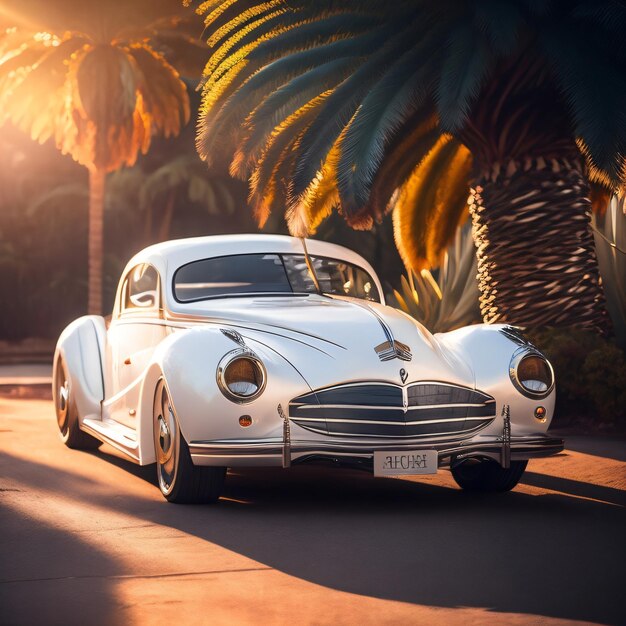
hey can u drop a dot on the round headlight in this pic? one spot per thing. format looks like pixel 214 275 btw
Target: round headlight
pixel 241 377
pixel 532 374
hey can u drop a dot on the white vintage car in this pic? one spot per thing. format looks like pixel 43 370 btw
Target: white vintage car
pixel 250 350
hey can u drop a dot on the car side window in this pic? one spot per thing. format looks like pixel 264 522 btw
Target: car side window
pixel 141 288
pixel 344 279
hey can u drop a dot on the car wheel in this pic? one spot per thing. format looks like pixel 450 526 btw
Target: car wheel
pixel 179 479
pixel 67 415
pixel 488 475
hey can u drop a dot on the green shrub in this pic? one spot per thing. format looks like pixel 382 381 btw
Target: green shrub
pixel 448 300
pixel 590 376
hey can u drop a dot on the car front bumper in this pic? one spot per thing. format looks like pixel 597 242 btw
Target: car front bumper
pixel 282 452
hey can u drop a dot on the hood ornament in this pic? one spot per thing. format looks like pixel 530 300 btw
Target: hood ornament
pixel 403 375
pixel 393 349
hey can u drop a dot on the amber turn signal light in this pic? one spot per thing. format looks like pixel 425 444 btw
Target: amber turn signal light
pixel 540 413
pixel 245 421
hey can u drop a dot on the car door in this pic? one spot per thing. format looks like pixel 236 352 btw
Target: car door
pixel 133 335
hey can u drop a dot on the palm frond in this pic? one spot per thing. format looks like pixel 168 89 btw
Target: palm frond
pixel 312 28
pixel 232 95
pixel 164 94
pixel 105 97
pixel 421 199
pixel 390 102
pixel 214 10
pixel 282 103
pixel 594 87
pixel 305 215
pixel 396 75
pixel 61 195
pixel 31 90
pixel 501 22
pixel 187 174
pixel 244 31
pixel 268 181
pixel 402 155
pixel 463 72
pixel 343 102
pixel 102 102
pixel 450 204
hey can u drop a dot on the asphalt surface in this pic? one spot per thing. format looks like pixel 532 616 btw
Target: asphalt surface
pixel 25 374
pixel 86 538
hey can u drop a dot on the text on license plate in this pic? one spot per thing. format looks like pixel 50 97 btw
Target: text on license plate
pixel 390 463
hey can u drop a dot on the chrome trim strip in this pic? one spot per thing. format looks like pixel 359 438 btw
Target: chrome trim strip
pixel 237 443
pixel 419 407
pixel 469 431
pixel 383 423
pixel 286 437
pixel 303 405
pixel 359 383
pixel 390 383
pixel 361 455
pixel 368 407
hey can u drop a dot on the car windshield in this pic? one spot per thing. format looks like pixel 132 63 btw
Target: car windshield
pixel 270 274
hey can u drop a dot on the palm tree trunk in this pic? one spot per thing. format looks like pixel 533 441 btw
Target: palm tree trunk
pixel 96 213
pixel 147 227
pixel 536 259
pixel 166 222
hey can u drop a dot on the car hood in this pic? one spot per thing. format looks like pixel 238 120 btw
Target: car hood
pixel 334 339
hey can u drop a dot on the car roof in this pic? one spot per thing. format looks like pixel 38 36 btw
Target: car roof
pixel 168 256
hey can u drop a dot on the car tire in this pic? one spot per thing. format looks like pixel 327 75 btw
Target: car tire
pixel 487 475
pixel 66 412
pixel 180 481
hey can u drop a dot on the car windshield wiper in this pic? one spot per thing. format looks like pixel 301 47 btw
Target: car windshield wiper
pixel 309 264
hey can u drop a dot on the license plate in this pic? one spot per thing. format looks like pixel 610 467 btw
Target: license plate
pixel 390 463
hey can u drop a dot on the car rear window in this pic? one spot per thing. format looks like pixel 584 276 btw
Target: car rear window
pixel 267 274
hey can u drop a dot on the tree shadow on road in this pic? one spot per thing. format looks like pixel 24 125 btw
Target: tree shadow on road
pixel 52 577
pixel 610 495
pixel 557 555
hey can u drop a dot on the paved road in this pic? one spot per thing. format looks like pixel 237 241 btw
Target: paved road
pixel 26 374
pixel 85 538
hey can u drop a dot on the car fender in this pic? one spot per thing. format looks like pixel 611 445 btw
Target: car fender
pixel 488 349
pixel 188 361
pixel 81 344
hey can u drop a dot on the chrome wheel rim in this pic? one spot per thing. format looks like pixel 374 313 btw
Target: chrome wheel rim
pixel 62 400
pixel 166 439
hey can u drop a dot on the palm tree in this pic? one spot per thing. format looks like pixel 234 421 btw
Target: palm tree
pixel 370 105
pixel 185 176
pixel 100 96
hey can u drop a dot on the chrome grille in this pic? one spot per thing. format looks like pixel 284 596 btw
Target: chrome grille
pixel 376 409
